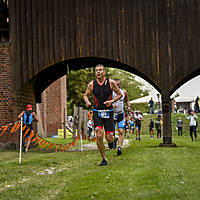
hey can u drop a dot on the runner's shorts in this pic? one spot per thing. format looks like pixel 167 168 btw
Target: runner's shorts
pixel 120 120
pixel 107 123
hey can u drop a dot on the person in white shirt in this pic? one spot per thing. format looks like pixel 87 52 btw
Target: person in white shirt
pixel 193 125
pixel 138 118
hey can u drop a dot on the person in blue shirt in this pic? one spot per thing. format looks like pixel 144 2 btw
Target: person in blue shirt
pixel 151 128
pixel 151 104
pixel 132 125
pixel 28 117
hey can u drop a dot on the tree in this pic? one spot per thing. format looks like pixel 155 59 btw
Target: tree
pixel 128 82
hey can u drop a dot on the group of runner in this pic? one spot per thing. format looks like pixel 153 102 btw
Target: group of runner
pixel 109 111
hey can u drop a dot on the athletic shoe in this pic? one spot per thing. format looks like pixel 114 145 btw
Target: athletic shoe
pixel 26 150
pixel 110 145
pixel 115 143
pixel 103 162
pixel 119 151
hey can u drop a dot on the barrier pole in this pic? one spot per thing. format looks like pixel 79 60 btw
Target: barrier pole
pixel 81 141
pixel 20 146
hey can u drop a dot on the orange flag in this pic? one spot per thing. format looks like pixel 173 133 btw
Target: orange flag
pixel 41 142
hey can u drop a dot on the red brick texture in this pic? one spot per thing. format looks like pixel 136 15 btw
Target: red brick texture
pixel 11 103
pixel 50 111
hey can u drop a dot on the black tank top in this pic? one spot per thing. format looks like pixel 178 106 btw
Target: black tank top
pixel 101 94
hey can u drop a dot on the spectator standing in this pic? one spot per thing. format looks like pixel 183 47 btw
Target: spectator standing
pixel 90 127
pixel 180 126
pixel 158 128
pixel 193 125
pixel 197 105
pixel 151 128
pixel 151 104
pixel 138 118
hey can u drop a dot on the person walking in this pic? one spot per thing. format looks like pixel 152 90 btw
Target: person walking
pixel 180 126
pixel 28 117
pixel 193 125
pixel 102 89
pixel 119 114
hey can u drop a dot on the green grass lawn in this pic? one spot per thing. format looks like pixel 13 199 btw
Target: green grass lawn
pixel 144 171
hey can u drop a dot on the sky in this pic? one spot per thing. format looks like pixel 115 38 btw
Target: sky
pixel 191 89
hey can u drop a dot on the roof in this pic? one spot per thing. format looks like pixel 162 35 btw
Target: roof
pixel 145 99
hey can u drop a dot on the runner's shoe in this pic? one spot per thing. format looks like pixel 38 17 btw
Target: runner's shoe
pixel 115 143
pixel 119 151
pixel 26 150
pixel 110 145
pixel 103 162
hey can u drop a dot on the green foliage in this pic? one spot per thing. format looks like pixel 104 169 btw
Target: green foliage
pixel 143 107
pixel 128 82
pixel 77 82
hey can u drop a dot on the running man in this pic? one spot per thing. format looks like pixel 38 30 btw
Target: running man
pixel 28 117
pixel 102 89
pixel 119 114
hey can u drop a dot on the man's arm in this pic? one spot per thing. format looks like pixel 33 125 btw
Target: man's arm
pixel 127 101
pixel 35 117
pixel 21 115
pixel 116 90
pixel 88 92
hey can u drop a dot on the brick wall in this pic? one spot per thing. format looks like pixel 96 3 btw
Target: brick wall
pixel 50 111
pixel 11 103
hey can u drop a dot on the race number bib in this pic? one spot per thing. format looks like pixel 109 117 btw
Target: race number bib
pixel 115 116
pixel 103 114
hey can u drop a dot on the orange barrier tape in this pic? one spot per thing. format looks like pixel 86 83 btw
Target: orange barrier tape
pixel 45 143
pixel 56 148
pixel 26 132
pixel 31 135
pixel 60 148
pixel 41 142
pixel 17 127
pixel 4 129
pixel 23 128
pixel 37 141
pixel 49 145
pixel 13 128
